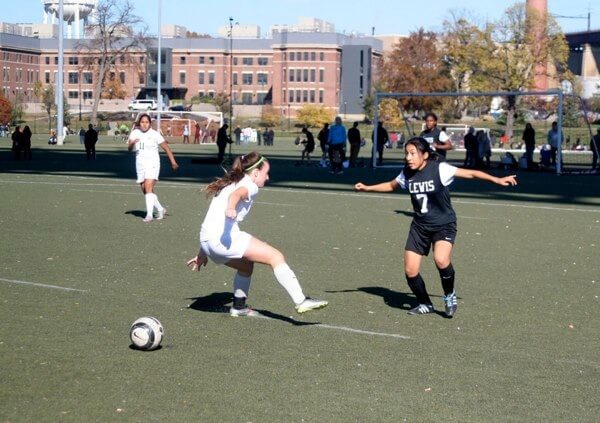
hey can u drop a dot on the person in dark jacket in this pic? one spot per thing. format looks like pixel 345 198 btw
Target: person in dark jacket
pixel 90 140
pixel 323 136
pixel 222 141
pixel 471 147
pixel 354 140
pixel 382 140
pixel 529 139
pixel 16 138
pixel 26 143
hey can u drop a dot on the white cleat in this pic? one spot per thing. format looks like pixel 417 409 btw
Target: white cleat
pixel 310 304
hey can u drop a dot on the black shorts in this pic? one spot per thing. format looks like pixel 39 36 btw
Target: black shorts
pixel 421 238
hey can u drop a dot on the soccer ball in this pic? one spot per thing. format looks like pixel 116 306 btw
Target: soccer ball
pixel 146 333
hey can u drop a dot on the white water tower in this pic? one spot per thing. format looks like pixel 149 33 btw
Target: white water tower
pixel 74 11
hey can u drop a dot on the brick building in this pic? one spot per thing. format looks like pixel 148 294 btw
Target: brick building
pixel 288 70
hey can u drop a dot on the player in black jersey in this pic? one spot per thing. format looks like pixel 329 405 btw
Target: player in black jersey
pixel 437 139
pixel 434 223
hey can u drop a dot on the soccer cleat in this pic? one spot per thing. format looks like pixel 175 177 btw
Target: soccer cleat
pixel 240 312
pixel 148 219
pixel 160 215
pixel 310 304
pixel 421 309
pixel 450 303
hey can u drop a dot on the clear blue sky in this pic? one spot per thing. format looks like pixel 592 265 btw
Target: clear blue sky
pixel 205 16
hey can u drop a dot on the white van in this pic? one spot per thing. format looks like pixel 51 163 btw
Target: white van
pixel 148 104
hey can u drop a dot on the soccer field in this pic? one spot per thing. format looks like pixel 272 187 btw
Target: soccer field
pixel 78 266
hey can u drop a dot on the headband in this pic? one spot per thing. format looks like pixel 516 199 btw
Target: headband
pixel 259 161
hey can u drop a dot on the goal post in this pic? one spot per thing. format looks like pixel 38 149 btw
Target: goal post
pixel 173 123
pixel 380 96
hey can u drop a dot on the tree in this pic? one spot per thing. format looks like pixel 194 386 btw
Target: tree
pixel 312 115
pixel 48 102
pixel 5 109
pixel 389 112
pixel 16 115
pixel 112 41
pixel 523 44
pixel 221 102
pixel 269 116
pixel 415 65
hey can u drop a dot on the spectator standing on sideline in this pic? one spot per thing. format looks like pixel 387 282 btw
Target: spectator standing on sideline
pixel 471 148
pixel 91 138
pixel 354 140
pixel 484 147
pixel 197 133
pixel 553 136
pixel 16 138
pixel 271 137
pixel 145 141
pixel 323 136
pixel 81 135
pixel 222 240
pixel 238 135
pixel 337 144
pixel 222 141
pixel 26 143
pixel 186 134
pixel 529 139
pixel 434 221
pixel 382 140
pixel 595 147
pixel 432 134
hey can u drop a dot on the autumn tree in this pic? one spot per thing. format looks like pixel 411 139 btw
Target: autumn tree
pixel 269 116
pixel 48 102
pixel 415 65
pixel 112 42
pixel 312 115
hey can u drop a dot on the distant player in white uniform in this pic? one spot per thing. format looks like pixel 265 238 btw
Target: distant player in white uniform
pixel 223 242
pixel 145 141
pixel 434 223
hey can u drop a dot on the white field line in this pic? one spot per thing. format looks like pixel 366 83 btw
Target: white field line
pixel 315 192
pixel 42 285
pixel 345 329
pixel 105 192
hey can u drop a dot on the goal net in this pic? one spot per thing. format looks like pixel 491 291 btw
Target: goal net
pixel 201 127
pixel 500 117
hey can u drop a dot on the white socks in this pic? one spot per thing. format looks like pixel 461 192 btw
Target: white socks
pixel 286 278
pixel 241 286
pixel 151 202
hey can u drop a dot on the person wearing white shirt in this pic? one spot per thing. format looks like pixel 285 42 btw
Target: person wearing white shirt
pixel 145 141
pixel 223 242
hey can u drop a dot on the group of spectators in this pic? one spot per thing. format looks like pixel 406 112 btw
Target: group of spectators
pixel 21 143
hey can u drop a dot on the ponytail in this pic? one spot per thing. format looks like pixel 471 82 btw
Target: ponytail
pixel 241 165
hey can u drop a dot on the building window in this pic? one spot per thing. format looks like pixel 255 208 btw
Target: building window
pixel 291 97
pixel 47 60
pixel 246 98
pixel 260 98
pixel 200 77
pixel 313 73
pixel 73 78
pixel 200 94
pixel 292 56
pixel 292 73
pixel 211 78
pixel 87 95
pixel 211 94
pixel 320 96
pixel 247 61
pixel 87 77
pixel 321 56
pixel 122 77
pixel 312 96
pixel 321 75
pixel 181 78
pixel 182 60
pixel 298 96
pixel 298 75
pixel 235 61
pixel 305 58
pixel 201 60
pixel 73 94
pixel 246 79
pixel 305 75
pixel 305 96
pixel 263 61
pixel 313 56
pixel 47 77
pixel 211 60
pixel 73 60
pixel 56 60
pixel 262 78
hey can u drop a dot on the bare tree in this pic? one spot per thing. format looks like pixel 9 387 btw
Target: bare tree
pixel 112 42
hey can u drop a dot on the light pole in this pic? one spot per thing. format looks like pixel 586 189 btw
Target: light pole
pixel 230 79
pixel 345 110
pixel 79 95
pixel 288 117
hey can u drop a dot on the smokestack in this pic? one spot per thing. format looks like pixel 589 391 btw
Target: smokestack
pixel 538 10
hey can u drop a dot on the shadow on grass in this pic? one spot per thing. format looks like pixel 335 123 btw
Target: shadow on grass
pixel 136 213
pixel 220 302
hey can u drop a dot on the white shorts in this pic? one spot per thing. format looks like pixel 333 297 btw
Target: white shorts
pixel 147 170
pixel 221 250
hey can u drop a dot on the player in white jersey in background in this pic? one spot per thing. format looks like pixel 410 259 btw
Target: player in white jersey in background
pixel 223 242
pixel 145 141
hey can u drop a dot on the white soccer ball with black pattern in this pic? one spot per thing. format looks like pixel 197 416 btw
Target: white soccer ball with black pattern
pixel 146 333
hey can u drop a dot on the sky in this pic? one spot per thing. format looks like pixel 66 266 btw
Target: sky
pixel 386 16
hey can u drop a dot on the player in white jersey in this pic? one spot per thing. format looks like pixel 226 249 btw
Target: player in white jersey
pixel 223 242
pixel 434 223
pixel 145 141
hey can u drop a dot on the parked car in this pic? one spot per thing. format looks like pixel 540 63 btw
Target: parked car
pixel 143 105
pixel 180 108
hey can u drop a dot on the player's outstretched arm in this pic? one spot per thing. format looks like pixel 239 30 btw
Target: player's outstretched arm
pixel 382 187
pixel 167 149
pixel 195 263
pixel 477 174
